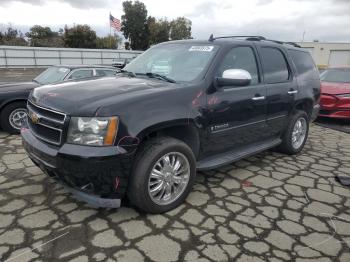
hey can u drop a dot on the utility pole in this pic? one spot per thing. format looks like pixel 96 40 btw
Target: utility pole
pixel 303 36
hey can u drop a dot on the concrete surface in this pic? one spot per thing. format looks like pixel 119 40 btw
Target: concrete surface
pixel 19 75
pixel 270 207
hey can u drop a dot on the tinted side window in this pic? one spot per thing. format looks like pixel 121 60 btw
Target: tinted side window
pixel 274 65
pixel 104 72
pixel 303 61
pixel 81 74
pixel 241 58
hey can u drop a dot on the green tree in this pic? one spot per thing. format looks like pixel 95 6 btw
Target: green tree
pixel 44 36
pixel 11 33
pixel 108 42
pixel 12 37
pixel 134 24
pixel 180 28
pixel 79 36
pixel 158 30
pixel 39 32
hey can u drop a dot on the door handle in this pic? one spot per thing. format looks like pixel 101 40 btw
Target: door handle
pixel 257 98
pixel 292 92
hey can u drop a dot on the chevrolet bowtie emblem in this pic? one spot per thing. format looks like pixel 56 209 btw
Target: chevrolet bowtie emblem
pixel 34 117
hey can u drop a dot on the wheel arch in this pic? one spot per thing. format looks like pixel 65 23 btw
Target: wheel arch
pixel 184 130
pixel 7 102
pixel 305 105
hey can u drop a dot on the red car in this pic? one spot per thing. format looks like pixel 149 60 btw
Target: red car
pixel 335 93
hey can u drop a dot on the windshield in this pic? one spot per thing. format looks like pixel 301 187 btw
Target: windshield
pixel 52 75
pixel 337 75
pixel 180 62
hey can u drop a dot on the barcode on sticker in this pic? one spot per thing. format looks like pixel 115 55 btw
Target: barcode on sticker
pixel 201 48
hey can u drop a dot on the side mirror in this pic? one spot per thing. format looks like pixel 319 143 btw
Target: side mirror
pixel 234 77
pixel 119 63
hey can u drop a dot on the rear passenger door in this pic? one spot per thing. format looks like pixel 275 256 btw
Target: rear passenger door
pixel 281 87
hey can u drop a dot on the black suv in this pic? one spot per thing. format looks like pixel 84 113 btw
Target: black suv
pixel 180 107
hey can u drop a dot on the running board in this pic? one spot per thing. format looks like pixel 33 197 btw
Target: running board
pixel 237 154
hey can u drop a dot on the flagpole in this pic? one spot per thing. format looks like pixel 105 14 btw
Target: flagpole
pixel 110 31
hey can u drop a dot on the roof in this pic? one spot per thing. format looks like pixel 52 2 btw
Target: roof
pixel 221 41
pixel 85 66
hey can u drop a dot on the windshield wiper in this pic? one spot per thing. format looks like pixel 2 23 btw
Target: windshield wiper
pixel 159 76
pixel 35 81
pixel 129 73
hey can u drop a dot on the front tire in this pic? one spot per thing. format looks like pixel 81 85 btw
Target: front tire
pixel 295 136
pixel 12 116
pixel 163 175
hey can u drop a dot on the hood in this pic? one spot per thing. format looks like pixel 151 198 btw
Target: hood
pixel 17 86
pixel 335 88
pixel 83 98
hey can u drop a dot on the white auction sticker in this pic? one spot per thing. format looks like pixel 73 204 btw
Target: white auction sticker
pixel 63 70
pixel 202 48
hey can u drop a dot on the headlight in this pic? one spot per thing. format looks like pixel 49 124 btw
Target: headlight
pixel 92 131
pixel 344 95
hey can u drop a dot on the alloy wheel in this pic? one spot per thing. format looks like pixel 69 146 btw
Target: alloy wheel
pixel 299 133
pixel 169 178
pixel 16 117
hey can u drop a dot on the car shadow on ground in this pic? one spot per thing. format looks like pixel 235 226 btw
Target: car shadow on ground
pixel 336 124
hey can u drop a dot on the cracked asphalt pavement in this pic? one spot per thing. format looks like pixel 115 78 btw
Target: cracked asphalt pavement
pixel 270 207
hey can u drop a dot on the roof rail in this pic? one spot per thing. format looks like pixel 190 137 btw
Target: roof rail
pixel 254 38
pixel 250 37
pixel 293 44
pixel 284 43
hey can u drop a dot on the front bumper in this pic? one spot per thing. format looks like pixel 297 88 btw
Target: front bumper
pixel 96 175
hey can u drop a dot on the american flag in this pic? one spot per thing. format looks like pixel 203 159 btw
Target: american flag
pixel 115 23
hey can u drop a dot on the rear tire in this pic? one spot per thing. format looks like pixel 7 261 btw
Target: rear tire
pixel 162 164
pixel 296 134
pixel 12 115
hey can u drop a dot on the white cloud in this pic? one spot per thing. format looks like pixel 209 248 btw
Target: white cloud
pixel 280 19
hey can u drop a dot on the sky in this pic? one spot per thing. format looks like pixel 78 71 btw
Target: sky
pixel 288 20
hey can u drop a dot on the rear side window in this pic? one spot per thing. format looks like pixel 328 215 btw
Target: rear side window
pixel 274 65
pixel 303 61
pixel 104 72
pixel 79 74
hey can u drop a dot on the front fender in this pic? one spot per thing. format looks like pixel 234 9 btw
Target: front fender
pixel 7 98
pixel 139 117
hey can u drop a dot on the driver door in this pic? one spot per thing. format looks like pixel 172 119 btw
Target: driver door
pixel 237 115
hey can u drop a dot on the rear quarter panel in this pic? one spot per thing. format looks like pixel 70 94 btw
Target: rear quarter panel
pixel 309 84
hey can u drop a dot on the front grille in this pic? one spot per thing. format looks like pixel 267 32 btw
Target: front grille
pixel 46 124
